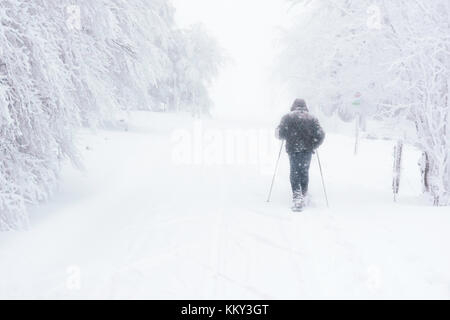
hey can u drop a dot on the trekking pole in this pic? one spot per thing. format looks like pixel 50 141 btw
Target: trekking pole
pixel 323 180
pixel 275 174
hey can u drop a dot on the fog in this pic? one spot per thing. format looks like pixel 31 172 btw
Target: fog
pixel 249 32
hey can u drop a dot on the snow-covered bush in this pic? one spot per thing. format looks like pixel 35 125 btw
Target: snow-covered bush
pixel 66 63
pixel 395 53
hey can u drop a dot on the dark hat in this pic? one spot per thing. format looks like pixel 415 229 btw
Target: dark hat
pixel 299 104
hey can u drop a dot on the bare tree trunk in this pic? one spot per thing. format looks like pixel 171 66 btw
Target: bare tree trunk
pixel 398 153
pixel 425 170
pixel 357 133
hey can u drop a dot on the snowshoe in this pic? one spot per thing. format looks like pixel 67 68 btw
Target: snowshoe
pixel 297 209
pixel 299 205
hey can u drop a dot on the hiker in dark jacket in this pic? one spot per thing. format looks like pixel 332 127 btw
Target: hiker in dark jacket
pixel 303 135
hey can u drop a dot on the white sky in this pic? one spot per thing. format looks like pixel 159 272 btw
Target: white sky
pixel 246 29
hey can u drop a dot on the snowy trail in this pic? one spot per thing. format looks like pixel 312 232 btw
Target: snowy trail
pixel 134 225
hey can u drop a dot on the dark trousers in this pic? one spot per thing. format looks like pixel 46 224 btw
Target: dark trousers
pixel 300 163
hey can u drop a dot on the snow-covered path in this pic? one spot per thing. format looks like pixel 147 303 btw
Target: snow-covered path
pixel 135 225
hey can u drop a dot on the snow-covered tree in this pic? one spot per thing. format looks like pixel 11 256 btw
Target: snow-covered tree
pixel 66 63
pixel 195 60
pixel 395 53
pixel 36 117
pixel 197 66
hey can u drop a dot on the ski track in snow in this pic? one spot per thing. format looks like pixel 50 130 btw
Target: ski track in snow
pixel 137 226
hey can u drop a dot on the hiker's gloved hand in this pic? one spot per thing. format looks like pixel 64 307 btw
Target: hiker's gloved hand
pixel 277 133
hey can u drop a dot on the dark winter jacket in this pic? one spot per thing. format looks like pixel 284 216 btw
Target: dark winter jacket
pixel 300 129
